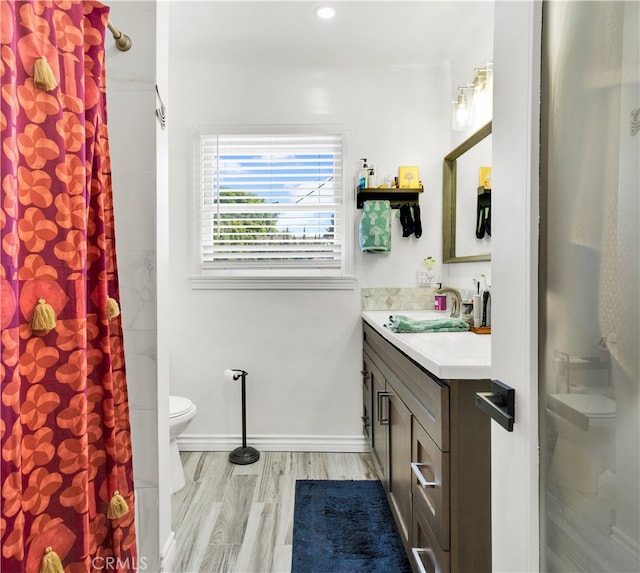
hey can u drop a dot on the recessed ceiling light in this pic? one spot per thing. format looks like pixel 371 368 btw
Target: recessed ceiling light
pixel 325 12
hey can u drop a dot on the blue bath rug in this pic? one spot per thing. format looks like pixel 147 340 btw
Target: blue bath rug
pixel 345 527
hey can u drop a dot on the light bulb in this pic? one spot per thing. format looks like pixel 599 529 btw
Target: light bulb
pixel 459 111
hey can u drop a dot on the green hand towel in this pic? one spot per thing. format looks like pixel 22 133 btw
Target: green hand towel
pixel 400 323
pixel 375 227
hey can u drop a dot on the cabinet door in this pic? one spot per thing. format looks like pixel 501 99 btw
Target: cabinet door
pixel 400 464
pixel 379 423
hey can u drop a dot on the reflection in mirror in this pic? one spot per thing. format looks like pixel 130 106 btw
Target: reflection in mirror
pixel 466 205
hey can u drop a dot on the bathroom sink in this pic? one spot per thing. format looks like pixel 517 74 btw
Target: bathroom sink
pixel 458 345
pixel 463 355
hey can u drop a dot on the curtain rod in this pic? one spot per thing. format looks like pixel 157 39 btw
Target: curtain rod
pixel 123 42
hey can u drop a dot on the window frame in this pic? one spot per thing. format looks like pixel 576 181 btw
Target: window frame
pixel 207 276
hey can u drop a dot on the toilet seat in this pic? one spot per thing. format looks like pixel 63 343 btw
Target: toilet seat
pixel 179 405
pixel 590 405
pixel 585 425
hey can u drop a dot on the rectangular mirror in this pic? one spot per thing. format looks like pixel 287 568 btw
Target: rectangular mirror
pixel 464 237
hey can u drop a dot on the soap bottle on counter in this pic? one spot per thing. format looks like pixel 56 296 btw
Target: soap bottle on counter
pixel 440 300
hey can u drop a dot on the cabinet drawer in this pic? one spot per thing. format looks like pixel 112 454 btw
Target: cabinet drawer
pixel 430 483
pixel 426 554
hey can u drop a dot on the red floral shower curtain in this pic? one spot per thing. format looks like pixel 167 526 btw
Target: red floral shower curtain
pixel 66 480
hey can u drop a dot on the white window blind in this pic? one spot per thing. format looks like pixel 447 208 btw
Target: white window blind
pixel 272 202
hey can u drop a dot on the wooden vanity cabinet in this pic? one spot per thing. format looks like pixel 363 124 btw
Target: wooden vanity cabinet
pixel 432 449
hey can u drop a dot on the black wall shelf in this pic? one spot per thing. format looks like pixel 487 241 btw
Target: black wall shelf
pixel 397 197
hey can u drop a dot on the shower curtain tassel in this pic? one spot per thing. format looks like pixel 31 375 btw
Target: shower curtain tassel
pixel 51 562
pixel 113 309
pixel 44 317
pixel 43 77
pixel 117 506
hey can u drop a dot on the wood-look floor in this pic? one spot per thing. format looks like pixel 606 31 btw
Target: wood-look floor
pixel 239 519
pixel 578 533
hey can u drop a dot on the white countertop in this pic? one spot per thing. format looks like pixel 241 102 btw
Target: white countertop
pixel 448 355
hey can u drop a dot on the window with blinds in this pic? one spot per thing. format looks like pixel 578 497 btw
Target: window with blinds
pixel 272 202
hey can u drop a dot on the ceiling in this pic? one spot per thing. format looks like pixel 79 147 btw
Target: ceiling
pixel 362 32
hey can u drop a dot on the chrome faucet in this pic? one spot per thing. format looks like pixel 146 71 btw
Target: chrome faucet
pixel 457 300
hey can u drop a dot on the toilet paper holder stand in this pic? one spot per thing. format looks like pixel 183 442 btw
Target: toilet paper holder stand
pixel 242 455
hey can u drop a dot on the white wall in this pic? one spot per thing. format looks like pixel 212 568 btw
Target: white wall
pixel 130 100
pixel 474 54
pixel 302 349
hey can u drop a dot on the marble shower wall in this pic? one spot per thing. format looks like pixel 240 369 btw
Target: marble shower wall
pixel 131 104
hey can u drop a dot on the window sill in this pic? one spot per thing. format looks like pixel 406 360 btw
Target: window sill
pixel 272 283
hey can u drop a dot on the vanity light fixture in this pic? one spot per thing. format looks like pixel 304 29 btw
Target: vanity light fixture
pixel 325 12
pixel 473 105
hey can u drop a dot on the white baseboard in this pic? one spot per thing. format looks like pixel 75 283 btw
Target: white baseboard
pixel 168 554
pixel 273 443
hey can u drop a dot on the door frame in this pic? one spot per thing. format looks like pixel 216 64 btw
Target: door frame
pixel 515 214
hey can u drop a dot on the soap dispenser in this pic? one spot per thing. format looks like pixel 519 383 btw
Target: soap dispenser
pixel 372 180
pixel 363 174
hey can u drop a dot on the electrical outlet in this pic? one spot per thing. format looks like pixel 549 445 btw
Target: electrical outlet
pixel 424 277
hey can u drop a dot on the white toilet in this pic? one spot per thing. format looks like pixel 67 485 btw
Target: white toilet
pixel 181 412
pixel 585 449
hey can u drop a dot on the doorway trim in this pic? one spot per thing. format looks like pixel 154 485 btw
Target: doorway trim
pixel 516 136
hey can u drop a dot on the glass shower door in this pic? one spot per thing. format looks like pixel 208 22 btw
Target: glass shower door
pixel 589 295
